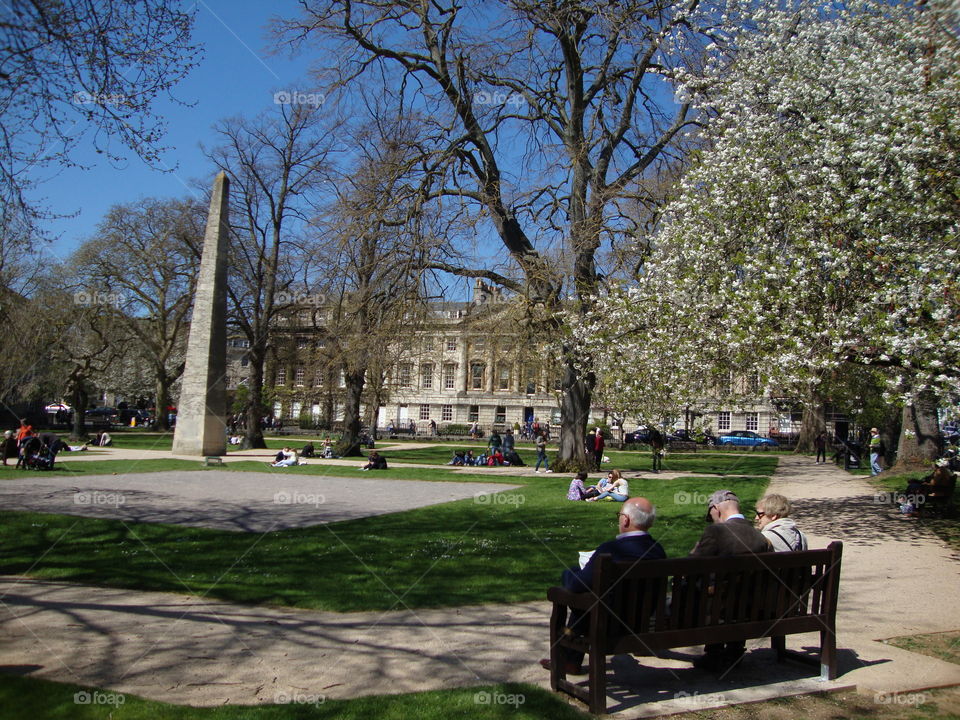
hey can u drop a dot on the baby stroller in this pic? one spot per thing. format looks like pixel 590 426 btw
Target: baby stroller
pixel 34 455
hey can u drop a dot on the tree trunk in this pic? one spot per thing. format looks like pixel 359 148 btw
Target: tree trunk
pixel 79 399
pixel 349 444
pixel 574 414
pixel 813 423
pixel 253 437
pixel 919 442
pixel 162 393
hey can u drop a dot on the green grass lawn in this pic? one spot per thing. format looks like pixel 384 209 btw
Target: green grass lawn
pixel 506 548
pixel 81 468
pixel 22 697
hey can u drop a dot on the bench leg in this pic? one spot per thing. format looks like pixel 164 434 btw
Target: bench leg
pixel 779 643
pixel 598 682
pixel 828 655
pixel 558 620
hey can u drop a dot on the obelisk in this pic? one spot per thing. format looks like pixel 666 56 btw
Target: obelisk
pixel 202 409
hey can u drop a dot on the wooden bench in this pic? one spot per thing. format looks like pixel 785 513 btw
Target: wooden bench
pixel 655 605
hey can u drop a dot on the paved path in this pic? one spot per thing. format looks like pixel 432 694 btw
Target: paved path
pixel 220 499
pixel 897 579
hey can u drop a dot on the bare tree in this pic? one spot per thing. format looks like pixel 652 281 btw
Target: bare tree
pixel 276 165
pixel 144 261
pixel 82 69
pixel 544 117
pixel 376 246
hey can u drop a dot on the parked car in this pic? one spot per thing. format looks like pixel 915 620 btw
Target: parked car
pixel 697 436
pixel 103 414
pixel 747 438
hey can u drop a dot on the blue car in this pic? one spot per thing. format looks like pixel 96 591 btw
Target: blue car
pixel 747 438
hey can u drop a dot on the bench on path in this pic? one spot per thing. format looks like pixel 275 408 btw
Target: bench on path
pixel 656 605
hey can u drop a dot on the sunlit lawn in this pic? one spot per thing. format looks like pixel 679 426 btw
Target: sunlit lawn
pixel 504 548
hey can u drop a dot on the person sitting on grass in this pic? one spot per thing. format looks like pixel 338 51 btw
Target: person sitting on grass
pixel 458 458
pixel 376 462
pixel 619 490
pixel 286 458
pixel 495 458
pixel 604 485
pixel 940 483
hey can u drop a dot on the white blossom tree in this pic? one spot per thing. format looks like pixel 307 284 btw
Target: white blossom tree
pixel 819 226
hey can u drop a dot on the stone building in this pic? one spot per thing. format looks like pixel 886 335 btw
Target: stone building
pixel 465 362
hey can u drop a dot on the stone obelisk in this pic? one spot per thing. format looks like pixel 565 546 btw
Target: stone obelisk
pixel 202 410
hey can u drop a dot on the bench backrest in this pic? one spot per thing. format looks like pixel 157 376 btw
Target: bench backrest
pixel 681 598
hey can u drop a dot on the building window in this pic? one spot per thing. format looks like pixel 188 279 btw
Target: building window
pixel 244 361
pixel 424 412
pixel 298 376
pixel 321 344
pixel 446 413
pixel 474 414
pixel 753 421
pixel 449 376
pixel 500 416
pixel 480 344
pixel 530 385
pixel 428 344
pixel 406 371
pixel 476 376
pixel 503 379
pixel 301 343
pixel 557 383
pixel 341 380
pixel 281 376
pixel 725 386
pixel 723 420
pixel 318 379
pixel 753 383
pixel 451 344
pixel 426 376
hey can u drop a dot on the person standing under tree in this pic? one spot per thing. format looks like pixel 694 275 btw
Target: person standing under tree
pixel 821 444
pixel 876 449
pixel 657 446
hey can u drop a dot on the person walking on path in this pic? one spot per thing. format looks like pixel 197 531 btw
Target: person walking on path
pixel 542 453
pixel 876 448
pixel 821 444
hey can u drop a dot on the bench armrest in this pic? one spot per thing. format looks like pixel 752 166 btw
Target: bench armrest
pixel 580 601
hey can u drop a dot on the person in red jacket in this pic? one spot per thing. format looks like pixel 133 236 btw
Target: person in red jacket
pixel 598 445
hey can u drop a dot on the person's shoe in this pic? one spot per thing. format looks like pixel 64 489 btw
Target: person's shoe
pixel 536 471
pixel 712 662
pixel 548 471
pixel 568 667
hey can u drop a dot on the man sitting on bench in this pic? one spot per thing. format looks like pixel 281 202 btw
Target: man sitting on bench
pixel 633 542
pixel 729 533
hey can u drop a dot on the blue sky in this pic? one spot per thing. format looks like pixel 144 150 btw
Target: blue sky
pixel 238 75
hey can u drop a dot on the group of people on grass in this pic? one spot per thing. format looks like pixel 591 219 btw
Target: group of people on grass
pixel 33 449
pixel 728 533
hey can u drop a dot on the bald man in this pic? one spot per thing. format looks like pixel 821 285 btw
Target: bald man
pixel 633 543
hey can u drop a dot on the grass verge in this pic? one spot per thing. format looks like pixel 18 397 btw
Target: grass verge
pixel 22 697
